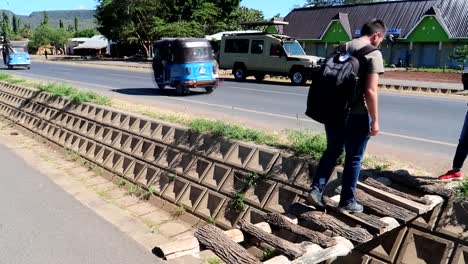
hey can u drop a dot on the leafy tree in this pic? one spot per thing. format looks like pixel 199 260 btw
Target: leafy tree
pixel 177 29
pixel 61 24
pixel 45 36
pixel 16 24
pixel 86 33
pixel 26 31
pixel 460 54
pixel 45 18
pixel 76 24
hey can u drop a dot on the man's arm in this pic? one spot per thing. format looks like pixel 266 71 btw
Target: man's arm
pixel 372 101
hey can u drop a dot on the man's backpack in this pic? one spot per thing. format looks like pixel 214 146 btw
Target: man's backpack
pixel 335 87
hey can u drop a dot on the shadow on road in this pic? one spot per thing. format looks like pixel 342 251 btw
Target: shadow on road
pixel 157 92
pixel 14 69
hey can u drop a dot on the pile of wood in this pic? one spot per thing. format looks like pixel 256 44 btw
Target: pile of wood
pixel 312 235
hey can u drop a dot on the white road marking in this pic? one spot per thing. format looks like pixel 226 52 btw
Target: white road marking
pixel 256 112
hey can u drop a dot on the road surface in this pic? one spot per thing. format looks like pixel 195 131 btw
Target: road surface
pixel 41 223
pixel 422 130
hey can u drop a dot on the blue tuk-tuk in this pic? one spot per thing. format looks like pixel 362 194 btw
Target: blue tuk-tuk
pixel 185 63
pixel 15 56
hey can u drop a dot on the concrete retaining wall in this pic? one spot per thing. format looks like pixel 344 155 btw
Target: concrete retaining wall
pixel 203 173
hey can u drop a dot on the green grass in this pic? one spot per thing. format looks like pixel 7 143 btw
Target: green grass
pixel 308 144
pixel 268 254
pixel 462 190
pixel 61 89
pixel 232 131
pixel 435 70
pixel 213 261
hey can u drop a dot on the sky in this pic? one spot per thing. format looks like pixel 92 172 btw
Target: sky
pixel 24 7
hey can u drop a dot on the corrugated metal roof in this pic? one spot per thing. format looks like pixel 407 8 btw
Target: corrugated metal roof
pixel 311 22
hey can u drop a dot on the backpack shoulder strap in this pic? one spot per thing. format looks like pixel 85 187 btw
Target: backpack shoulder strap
pixel 364 51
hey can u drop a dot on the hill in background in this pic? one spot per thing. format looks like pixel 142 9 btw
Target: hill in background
pixel 85 17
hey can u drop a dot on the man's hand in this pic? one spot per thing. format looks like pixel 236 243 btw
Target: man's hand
pixel 375 128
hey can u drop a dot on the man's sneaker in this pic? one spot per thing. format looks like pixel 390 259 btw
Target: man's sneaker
pixel 314 198
pixel 353 207
pixel 451 175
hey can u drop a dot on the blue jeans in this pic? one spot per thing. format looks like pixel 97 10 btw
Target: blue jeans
pixel 462 149
pixel 352 138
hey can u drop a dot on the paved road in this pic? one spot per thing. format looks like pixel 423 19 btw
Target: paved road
pixel 40 223
pixel 420 129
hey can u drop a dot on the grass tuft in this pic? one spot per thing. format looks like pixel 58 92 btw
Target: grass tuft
pixel 462 191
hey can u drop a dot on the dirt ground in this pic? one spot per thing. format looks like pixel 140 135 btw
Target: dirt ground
pixel 423 76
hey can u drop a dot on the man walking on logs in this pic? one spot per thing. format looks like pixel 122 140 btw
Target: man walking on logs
pixel 348 107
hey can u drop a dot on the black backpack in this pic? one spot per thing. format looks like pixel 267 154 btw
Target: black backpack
pixel 335 87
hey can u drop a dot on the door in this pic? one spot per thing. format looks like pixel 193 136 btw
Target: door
pixel 428 55
pixel 276 59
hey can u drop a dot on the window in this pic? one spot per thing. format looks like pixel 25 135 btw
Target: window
pixel 293 48
pixel 237 46
pixel 257 47
pixel 276 50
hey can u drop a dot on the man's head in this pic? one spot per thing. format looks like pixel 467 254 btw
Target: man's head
pixel 374 30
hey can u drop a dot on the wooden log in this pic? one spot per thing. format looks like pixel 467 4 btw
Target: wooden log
pixel 369 222
pixel 285 247
pixel 237 236
pixel 425 186
pixel 179 248
pixel 227 250
pixel 412 206
pixel 315 254
pixel 278 260
pixel 376 184
pixel 328 222
pixel 313 236
pixel 384 208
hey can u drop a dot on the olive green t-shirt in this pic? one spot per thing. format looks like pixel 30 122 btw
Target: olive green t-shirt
pixel 374 65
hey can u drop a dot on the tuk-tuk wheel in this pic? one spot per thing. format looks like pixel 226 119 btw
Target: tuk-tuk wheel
pixel 181 89
pixel 10 67
pixel 209 89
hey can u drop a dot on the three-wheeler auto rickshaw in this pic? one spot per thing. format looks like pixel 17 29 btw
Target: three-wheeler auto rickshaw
pixel 185 63
pixel 15 56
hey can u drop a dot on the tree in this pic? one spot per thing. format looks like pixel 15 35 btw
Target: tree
pixel 76 24
pixel 16 24
pixel 45 18
pixel 45 36
pixel 61 23
pixel 460 54
pixel 86 33
pixel 128 21
pixel 5 26
pixel 26 31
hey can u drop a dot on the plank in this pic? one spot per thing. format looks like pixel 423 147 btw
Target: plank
pixel 315 254
pixel 327 222
pixel 376 184
pixel 369 222
pixel 425 186
pixel 313 236
pixel 285 247
pixel 383 208
pixel 179 248
pixel 237 236
pixel 227 250
pixel 394 199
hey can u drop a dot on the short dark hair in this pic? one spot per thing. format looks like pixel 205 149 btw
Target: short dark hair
pixel 373 26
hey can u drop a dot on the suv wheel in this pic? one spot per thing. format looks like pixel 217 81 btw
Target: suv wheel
pixel 240 73
pixel 298 77
pixel 259 77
